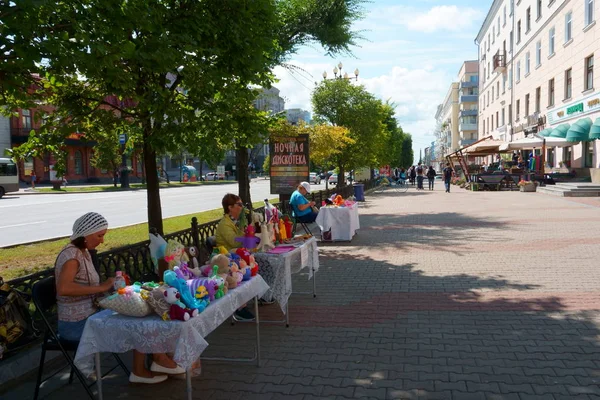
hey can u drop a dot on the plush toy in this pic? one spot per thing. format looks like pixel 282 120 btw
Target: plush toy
pixel 253 265
pixel 171 279
pixel 223 270
pixel 282 230
pixel 210 288
pixel 288 226
pixel 236 273
pixel 178 310
pixel 222 250
pixel 202 294
pixel 249 240
pixel 193 265
pixel 257 220
pixel 184 272
pixel 338 201
pixel 265 237
pixel 175 254
pixel 220 282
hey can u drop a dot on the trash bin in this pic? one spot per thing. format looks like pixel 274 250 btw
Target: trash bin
pixel 359 191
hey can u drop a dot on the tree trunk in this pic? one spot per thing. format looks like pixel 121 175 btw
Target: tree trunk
pixel 341 176
pixel 152 187
pixel 243 177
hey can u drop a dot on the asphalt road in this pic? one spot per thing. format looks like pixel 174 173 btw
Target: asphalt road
pixel 33 217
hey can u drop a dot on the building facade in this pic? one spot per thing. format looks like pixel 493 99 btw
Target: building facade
pixel 537 63
pixel 295 115
pixel 468 80
pixel 449 120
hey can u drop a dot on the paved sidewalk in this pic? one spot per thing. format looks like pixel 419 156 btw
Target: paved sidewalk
pixel 467 295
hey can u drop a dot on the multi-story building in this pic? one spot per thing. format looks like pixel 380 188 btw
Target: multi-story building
pixel 4 135
pixel 537 64
pixel 468 79
pixel 295 115
pixel 449 119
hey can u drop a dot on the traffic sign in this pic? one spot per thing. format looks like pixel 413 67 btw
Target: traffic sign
pixel 122 138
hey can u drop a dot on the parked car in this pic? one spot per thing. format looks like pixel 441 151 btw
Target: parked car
pixel 314 178
pixel 333 179
pixel 211 176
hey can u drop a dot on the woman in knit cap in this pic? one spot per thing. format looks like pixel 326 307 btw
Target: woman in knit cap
pixel 78 285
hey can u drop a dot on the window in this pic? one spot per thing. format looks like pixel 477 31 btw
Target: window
pixel 512 7
pixel 503 120
pixel 526 105
pixel 498 25
pixel 488 42
pixel 498 89
pixel 503 83
pixel 538 53
pixel 510 113
pixel 550 157
pixel 492 94
pixel 510 78
pixel 551 92
pixel 26 119
pixel 589 12
pixel 493 34
pixel 539 9
pixel 568 26
pixel 568 83
pixel 589 154
pixel 589 73
pixel 538 99
pixel 518 109
pixel 567 152
pixel 488 69
pixel 497 120
pixel 78 158
pixel 551 41
pixel 504 16
pixel 519 32
pixel 518 71
pixel 527 63
pixel 528 20
pixel 484 126
pixel 511 41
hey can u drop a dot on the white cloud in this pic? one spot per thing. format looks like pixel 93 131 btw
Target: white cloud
pixel 439 18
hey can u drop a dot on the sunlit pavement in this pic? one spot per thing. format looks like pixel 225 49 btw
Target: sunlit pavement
pixel 466 295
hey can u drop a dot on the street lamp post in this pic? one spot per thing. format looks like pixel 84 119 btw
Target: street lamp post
pixel 338 70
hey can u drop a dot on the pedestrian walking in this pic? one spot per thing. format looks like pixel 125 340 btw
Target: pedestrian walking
pixel 420 177
pixel 431 177
pixel 412 175
pixel 448 173
pixel 33 179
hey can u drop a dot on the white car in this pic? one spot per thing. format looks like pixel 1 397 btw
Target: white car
pixel 211 176
pixel 333 179
pixel 314 178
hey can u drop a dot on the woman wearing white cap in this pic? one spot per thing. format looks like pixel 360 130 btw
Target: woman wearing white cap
pixel 301 206
pixel 78 285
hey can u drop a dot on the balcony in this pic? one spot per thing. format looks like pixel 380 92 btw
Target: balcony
pixel 467 126
pixel 19 135
pixel 466 142
pixel 499 62
pixel 468 84
pixel 468 113
pixel 470 98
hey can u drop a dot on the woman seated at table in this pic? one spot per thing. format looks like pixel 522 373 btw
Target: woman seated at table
pixel 77 287
pixel 301 206
pixel 227 231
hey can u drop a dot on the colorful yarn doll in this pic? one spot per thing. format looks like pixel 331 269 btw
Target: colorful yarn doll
pixel 171 279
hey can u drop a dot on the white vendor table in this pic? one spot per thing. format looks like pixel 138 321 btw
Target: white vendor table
pixel 110 332
pixel 277 270
pixel 343 221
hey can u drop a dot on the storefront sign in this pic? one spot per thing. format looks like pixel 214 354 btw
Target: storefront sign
pixel 585 106
pixel 289 163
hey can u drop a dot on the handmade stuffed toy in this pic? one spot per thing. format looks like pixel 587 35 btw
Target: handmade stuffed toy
pixel 193 265
pixel 210 288
pixel 257 220
pixel 171 279
pixel 175 254
pixel 178 310
pixel 282 230
pixel 236 273
pixel 223 270
pixel 221 291
pixel 249 240
pixel 338 201
pixel 265 237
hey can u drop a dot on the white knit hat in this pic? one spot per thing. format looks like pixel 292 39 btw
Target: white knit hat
pixel 88 224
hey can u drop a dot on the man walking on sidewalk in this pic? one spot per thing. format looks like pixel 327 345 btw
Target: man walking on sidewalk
pixel 448 172
pixel 420 177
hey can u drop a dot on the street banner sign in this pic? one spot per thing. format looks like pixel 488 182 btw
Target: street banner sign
pixel 122 138
pixel 289 163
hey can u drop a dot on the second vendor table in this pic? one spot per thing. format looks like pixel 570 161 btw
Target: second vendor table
pixel 342 221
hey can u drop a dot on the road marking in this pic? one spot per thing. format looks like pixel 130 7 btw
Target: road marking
pixel 28 223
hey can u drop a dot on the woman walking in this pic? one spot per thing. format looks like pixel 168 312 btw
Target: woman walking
pixel 431 177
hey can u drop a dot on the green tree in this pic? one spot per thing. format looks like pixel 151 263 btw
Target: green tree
pixel 341 103
pixel 406 156
pixel 170 64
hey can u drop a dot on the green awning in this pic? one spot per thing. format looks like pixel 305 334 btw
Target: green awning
pixel 560 131
pixel 580 131
pixel 545 133
pixel 595 130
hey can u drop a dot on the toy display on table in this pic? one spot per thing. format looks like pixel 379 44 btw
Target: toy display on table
pixel 201 287
pixel 266 239
pixel 222 262
pixel 337 201
pixel 248 258
pixel 127 302
pixel 178 310
pixel 171 279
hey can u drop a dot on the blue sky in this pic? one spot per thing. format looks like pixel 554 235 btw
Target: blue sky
pixel 412 52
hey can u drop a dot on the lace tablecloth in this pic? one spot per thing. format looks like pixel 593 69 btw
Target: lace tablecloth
pixel 108 331
pixel 277 269
pixel 343 221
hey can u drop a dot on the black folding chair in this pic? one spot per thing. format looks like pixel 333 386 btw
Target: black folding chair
pixel 44 298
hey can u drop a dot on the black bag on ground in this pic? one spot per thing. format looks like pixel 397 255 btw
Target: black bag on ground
pixel 16 325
